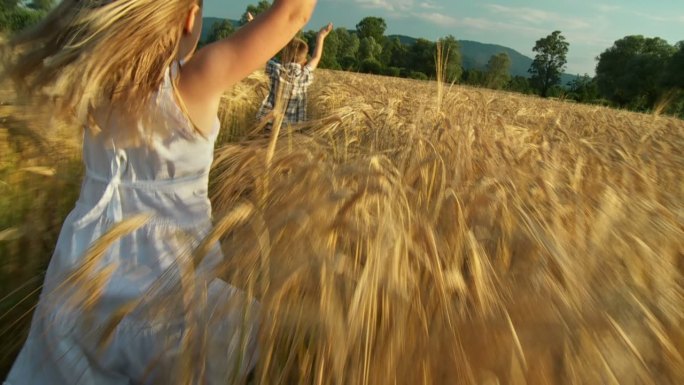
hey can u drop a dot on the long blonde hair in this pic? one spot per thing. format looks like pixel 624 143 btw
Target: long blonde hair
pixel 94 53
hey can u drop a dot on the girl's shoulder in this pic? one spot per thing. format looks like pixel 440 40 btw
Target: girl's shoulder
pixel 174 108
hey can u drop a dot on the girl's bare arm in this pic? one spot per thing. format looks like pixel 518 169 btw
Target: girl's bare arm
pixel 320 41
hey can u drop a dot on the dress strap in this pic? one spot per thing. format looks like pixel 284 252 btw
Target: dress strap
pixel 174 71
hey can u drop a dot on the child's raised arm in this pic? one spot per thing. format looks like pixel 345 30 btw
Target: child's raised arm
pixel 218 66
pixel 318 51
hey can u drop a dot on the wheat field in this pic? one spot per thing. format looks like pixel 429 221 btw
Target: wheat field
pixel 414 233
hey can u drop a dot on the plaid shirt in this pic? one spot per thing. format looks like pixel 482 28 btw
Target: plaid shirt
pixel 294 80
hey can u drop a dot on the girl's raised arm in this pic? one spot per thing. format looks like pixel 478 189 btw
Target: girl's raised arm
pixel 218 66
pixel 318 51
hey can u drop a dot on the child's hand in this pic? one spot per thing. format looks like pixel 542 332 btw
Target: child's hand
pixel 325 31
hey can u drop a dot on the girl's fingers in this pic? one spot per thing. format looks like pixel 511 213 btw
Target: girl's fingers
pixel 327 29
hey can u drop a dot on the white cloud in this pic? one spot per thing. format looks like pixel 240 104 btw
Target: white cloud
pixel 374 4
pixel 539 17
pixel 437 18
pixel 482 24
pixel 388 5
pixel 400 9
pixel 530 15
pixel 644 15
pixel 660 18
pixel 607 8
pixel 429 5
pixel 491 25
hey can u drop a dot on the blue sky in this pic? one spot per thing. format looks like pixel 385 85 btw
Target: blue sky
pixel 590 26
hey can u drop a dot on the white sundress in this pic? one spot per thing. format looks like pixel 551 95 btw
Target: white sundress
pixel 168 178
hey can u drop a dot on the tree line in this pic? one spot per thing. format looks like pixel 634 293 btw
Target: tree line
pixel 16 15
pixel 368 49
pixel 637 72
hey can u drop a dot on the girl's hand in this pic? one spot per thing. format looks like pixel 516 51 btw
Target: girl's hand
pixel 325 30
pixel 320 40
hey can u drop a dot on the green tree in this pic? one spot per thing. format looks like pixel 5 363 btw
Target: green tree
pixel 371 66
pixel 520 84
pixel 389 46
pixel 261 6
pixel 372 27
pixel 220 30
pixel 549 62
pixel 349 43
pixel 417 75
pixel 631 73
pixel 8 5
pixel 310 38
pixel 475 77
pixel 331 52
pixel 369 49
pixel 398 55
pixel 498 71
pixel 584 89
pixel 452 54
pixel 18 18
pixel 349 63
pixel 42 5
pixel 331 48
pixel 392 71
pixel 674 76
pixel 422 57
pixel 675 80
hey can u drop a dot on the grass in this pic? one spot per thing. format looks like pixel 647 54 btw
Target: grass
pixel 39 183
pixel 416 234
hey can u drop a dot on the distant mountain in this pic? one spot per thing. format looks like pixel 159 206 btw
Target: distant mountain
pixel 475 55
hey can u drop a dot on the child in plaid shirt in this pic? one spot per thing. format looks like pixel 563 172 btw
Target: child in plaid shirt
pixel 291 79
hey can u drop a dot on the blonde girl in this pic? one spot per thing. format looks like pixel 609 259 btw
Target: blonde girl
pixel 127 71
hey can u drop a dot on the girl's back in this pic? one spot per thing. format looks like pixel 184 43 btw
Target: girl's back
pixel 163 173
